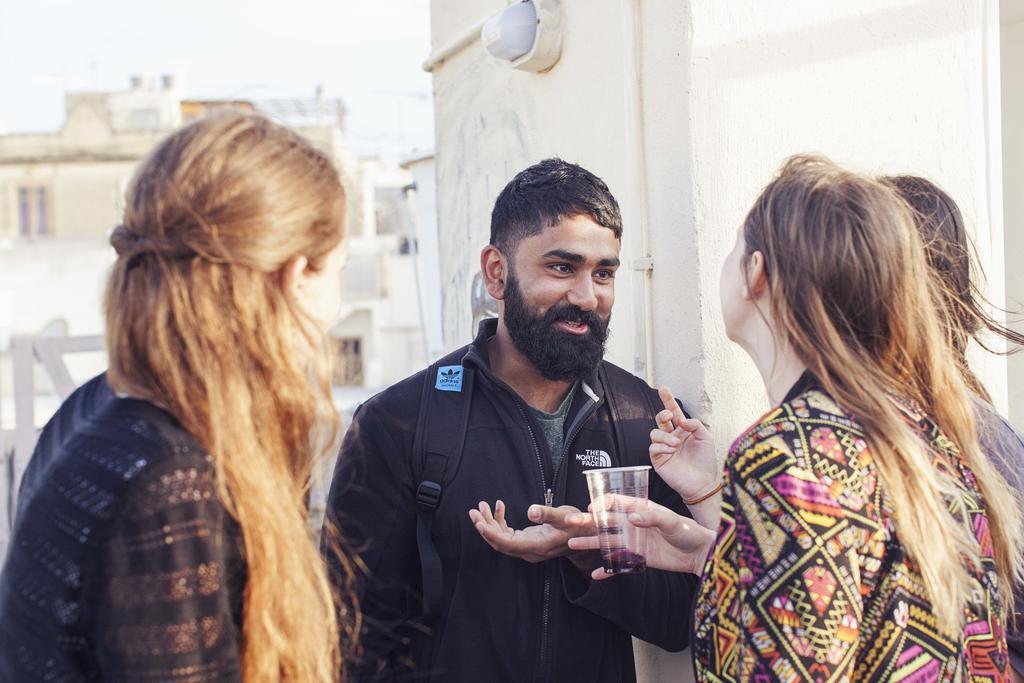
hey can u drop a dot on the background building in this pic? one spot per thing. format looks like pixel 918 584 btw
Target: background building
pixel 61 193
pixel 70 183
pixel 687 109
pixel 423 195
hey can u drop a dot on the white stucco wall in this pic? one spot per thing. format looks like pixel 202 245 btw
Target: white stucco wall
pixel 882 86
pixel 1012 45
pixel 686 109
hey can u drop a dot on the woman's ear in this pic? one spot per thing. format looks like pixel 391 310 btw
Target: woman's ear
pixel 494 270
pixel 293 275
pixel 757 278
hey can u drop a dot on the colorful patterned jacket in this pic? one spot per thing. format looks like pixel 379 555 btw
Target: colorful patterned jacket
pixel 808 581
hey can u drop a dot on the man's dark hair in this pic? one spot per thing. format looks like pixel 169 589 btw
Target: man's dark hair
pixel 545 193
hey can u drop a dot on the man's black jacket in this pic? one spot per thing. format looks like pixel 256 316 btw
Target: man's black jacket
pixel 504 619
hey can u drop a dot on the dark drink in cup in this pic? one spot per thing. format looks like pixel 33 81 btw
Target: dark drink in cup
pixel 623 562
pixel 614 493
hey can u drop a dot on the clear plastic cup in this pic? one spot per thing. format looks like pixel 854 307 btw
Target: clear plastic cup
pixel 614 493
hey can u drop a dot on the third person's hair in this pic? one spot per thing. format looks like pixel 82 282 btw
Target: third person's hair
pixel 948 248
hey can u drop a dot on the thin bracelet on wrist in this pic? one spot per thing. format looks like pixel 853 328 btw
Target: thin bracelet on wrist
pixel 707 495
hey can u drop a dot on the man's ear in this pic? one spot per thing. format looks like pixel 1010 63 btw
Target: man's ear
pixel 494 268
pixel 757 278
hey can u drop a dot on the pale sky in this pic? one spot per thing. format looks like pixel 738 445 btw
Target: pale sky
pixel 367 52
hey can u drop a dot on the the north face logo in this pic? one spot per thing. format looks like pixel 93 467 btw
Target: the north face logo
pixel 449 378
pixel 594 459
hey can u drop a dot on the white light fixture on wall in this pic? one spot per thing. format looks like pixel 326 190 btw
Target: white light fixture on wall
pixel 527 34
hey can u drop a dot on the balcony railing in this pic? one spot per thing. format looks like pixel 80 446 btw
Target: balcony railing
pixel 42 378
pixel 27 355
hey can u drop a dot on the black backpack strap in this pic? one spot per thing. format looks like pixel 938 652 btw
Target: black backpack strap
pixel 437 452
pixel 618 386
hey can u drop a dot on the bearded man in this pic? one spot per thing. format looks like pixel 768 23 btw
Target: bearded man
pixel 512 419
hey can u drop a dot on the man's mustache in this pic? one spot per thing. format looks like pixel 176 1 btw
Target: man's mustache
pixel 574 314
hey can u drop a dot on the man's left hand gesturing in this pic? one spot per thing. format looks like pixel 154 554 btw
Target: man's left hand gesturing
pixel 547 540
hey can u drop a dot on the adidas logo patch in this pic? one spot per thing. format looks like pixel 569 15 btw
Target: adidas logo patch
pixel 449 378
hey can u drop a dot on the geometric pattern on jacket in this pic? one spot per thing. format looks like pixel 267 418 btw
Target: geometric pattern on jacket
pixel 807 580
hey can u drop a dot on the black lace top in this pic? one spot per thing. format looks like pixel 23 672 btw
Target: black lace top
pixel 123 565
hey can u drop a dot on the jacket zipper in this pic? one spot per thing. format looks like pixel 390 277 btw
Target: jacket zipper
pixel 536 452
pixel 549 499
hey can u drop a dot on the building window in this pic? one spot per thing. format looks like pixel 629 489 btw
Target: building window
pixel 348 362
pixel 42 227
pixel 24 213
pixel 33 212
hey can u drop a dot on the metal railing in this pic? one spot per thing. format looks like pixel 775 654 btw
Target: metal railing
pixel 28 355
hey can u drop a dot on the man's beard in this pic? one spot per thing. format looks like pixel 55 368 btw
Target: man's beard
pixel 557 355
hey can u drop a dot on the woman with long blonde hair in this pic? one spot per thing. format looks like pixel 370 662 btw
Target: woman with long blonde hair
pixel 863 534
pixel 166 538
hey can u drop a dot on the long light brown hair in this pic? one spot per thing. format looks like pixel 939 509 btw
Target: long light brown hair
pixel 199 320
pixel 951 257
pixel 850 293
